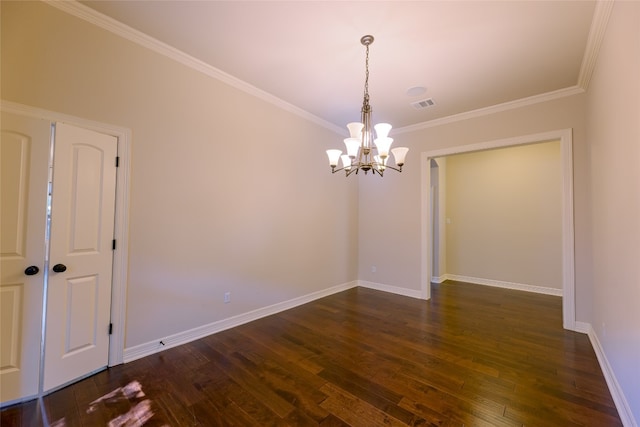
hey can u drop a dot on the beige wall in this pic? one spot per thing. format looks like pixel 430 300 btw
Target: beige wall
pixel 228 193
pixel 613 117
pixel 393 205
pixel 504 215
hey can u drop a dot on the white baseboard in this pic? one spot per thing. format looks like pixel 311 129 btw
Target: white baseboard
pixel 507 285
pixel 582 327
pixel 624 411
pixel 149 348
pixel 391 289
pixel 439 279
pixel 165 343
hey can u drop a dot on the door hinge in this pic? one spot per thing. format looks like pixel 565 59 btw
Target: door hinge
pixel 117 161
pixel 110 328
pixel 113 245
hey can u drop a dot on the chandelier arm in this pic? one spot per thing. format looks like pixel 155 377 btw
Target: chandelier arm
pixel 352 169
pixel 393 168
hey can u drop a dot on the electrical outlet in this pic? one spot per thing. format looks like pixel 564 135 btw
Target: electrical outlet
pixel 227 297
pixel 373 269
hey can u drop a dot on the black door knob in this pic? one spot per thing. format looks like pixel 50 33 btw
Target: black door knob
pixel 59 268
pixel 31 270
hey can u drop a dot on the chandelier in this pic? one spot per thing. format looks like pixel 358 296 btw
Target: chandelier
pixel 361 144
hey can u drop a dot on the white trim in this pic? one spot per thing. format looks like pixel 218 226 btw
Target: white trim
pixel 596 35
pixel 568 242
pixel 505 106
pixel 426 227
pixel 624 410
pixel 121 253
pixel 151 347
pixel 598 27
pixel 121 230
pixel 568 251
pixel 412 293
pixel 506 285
pixel 94 17
pixel 440 279
pixel 582 327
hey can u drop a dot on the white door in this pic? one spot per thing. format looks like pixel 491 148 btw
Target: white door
pixel 81 255
pixel 24 163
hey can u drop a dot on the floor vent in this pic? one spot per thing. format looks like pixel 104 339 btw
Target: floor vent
pixel 425 103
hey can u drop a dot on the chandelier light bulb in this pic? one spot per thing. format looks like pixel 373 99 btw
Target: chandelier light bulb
pixel 382 129
pixel 399 153
pixel 383 144
pixel 355 130
pixel 346 162
pixel 352 144
pixel 334 156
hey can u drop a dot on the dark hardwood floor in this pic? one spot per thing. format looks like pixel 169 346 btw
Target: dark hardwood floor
pixel 471 356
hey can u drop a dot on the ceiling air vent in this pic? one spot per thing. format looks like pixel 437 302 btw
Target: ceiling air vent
pixel 425 103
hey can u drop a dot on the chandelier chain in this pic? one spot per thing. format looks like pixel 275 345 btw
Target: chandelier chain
pixel 366 80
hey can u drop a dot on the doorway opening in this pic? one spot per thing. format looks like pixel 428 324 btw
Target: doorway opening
pixel 568 258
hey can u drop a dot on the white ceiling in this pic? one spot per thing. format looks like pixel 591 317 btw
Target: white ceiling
pixel 468 54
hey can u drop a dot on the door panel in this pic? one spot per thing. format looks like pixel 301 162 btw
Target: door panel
pixel 24 164
pixel 82 314
pixel 15 192
pixel 84 231
pixel 82 221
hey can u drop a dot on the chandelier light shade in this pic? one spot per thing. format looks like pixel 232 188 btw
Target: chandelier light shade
pixel 364 151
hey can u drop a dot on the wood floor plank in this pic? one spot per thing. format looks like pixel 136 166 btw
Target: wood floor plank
pixel 26 414
pixel 252 383
pixel 254 407
pixel 471 356
pixel 453 413
pixel 368 391
pixel 272 339
pixel 355 411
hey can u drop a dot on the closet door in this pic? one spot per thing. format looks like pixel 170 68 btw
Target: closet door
pixel 81 255
pixel 24 165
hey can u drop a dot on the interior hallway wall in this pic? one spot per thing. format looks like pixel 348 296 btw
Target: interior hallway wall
pixel 504 215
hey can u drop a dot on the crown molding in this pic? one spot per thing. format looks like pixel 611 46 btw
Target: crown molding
pixel 91 16
pixel 596 35
pixel 511 105
pixel 597 31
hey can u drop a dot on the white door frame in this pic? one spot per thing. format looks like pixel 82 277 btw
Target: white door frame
pixel 568 251
pixel 121 229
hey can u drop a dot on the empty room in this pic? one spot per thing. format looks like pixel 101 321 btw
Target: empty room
pixel 328 213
